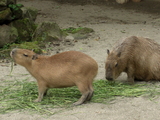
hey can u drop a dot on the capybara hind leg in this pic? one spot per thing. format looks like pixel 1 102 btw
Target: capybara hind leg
pixel 82 99
pixel 41 91
pixel 90 96
pixel 45 92
pixel 90 93
pixel 85 92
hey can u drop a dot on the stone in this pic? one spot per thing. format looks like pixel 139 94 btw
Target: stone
pixel 69 37
pixel 5 15
pixel 48 32
pixel 30 13
pixel 16 11
pixel 83 33
pixel 3 3
pixel 25 29
pixel 7 35
pixel 122 1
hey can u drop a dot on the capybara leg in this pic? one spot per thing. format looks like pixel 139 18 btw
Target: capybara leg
pixel 82 99
pixel 41 91
pixel 130 75
pixel 90 94
pixel 85 93
pixel 45 92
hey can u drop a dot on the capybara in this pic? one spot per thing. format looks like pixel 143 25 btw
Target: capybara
pixel 66 69
pixel 137 56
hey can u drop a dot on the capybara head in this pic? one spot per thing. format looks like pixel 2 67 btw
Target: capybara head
pixel 23 56
pixel 112 65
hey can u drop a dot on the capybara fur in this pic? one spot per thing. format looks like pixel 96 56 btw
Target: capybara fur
pixel 137 56
pixel 66 69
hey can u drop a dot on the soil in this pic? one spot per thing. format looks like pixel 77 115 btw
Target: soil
pixel 111 22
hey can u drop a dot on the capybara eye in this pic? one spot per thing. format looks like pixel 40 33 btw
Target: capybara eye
pixel 116 64
pixel 25 55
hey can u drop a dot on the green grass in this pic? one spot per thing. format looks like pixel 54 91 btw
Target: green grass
pixel 19 95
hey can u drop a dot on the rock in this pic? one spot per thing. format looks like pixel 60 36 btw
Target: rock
pixel 16 11
pixel 5 15
pixel 30 13
pixel 7 2
pixel 83 33
pixel 136 0
pixel 3 3
pixel 122 1
pixel 48 32
pixel 78 33
pixel 11 2
pixel 69 38
pixel 7 35
pixel 25 29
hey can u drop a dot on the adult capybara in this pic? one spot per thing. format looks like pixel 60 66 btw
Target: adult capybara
pixel 66 69
pixel 137 56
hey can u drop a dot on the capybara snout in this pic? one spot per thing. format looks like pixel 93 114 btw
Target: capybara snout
pixel 111 66
pixel 22 57
pixel 66 69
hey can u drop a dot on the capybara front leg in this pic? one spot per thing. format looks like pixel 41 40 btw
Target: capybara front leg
pixel 130 75
pixel 41 91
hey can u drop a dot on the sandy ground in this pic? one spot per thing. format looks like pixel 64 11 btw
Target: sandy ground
pixel 111 22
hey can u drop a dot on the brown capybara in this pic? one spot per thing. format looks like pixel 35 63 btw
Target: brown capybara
pixel 137 56
pixel 66 69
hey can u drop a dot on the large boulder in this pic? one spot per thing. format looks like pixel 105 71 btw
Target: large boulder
pixel 6 2
pixel 7 35
pixel 30 13
pixel 9 11
pixel 48 32
pixel 5 15
pixel 16 11
pixel 25 29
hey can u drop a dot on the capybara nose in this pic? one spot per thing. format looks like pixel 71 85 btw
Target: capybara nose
pixel 13 52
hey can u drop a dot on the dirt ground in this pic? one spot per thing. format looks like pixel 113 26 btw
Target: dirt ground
pixel 111 22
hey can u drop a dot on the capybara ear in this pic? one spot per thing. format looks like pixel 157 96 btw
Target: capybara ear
pixel 119 54
pixel 108 51
pixel 35 57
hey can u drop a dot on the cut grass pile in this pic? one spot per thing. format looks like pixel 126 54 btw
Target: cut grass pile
pixel 18 95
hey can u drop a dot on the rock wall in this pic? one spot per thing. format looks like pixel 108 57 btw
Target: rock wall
pixel 16 22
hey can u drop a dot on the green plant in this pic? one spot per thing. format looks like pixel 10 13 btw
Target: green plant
pixel 19 94
pixel 15 8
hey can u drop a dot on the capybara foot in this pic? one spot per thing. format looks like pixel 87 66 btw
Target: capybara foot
pixel 77 103
pixel 37 100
